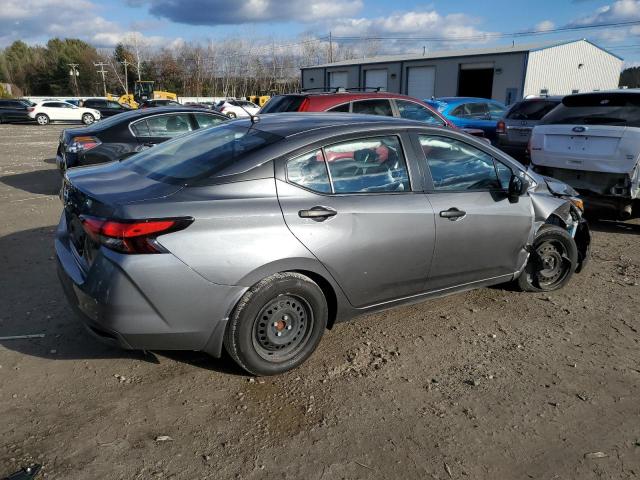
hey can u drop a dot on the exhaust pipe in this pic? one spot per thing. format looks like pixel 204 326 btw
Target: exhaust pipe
pixel 625 213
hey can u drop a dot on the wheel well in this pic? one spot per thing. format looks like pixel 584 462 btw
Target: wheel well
pixel 329 293
pixel 555 220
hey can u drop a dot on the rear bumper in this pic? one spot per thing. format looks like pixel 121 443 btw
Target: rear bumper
pixel 145 302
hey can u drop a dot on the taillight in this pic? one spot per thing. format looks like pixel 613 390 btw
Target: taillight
pixel 82 144
pixel 30 109
pixel 501 127
pixel 132 236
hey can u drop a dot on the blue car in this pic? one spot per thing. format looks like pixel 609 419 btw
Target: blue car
pixel 469 112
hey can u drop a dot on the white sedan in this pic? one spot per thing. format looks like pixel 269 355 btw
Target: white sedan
pixel 238 108
pixel 55 110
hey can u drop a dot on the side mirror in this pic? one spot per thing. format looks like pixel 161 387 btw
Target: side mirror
pixel 517 187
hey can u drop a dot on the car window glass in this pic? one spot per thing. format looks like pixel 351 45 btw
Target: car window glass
pixel 114 105
pixel 340 108
pixel 602 108
pixel 476 110
pixel 65 105
pixel 168 125
pixel 205 120
pixel 504 174
pixel 283 103
pixel 457 166
pixel 367 165
pixel 373 107
pixel 140 129
pixel 531 110
pixel 309 171
pixel 496 111
pixel 415 111
pixel 51 105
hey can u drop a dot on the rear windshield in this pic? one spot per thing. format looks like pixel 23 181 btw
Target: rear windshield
pixel 200 154
pixel 283 103
pixel 622 109
pixel 531 110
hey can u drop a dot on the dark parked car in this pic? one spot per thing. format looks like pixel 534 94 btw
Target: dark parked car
pixel 159 103
pixel 259 236
pixel 14 111
pixel 107 108
pixel 127 133
pixel 514 130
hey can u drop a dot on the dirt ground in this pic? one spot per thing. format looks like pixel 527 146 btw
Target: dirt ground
pixel 491 384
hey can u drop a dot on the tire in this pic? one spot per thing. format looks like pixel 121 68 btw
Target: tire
pixel 42 119
pixel 552 262
pixel 88 119
pixel 232 115
pixel 277 324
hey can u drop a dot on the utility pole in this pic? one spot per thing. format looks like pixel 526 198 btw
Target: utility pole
pixel 74 73
pixel 126 77
pixel 330 48
pixel 102 71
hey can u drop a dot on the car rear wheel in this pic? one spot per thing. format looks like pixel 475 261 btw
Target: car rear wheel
pixel 88 119
pixel 42 119
pixel 277 324
pixel 552 262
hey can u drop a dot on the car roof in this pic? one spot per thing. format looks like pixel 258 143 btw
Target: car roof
pixel 294 123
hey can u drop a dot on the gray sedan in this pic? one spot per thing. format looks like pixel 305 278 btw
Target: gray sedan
pixel 257 236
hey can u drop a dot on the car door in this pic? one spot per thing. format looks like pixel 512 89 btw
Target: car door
pixel 155 129
pixel 68 111
pixel 352 204
pixel 52 110
pixel 480 234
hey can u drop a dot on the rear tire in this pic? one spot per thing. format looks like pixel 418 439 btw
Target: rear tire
pixel 42 119
pixel 88 119
pixel 277 324
pixel 552 262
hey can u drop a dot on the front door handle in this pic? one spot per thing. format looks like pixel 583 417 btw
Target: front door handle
pixel 452 214
pixel 317 213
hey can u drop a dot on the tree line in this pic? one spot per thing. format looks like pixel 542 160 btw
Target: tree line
pixel 234 68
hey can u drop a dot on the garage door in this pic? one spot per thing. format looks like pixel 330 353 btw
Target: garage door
pixel 338 79
pixel 376 78
pixel 421 82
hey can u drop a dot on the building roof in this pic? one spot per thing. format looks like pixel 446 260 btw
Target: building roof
pixel 500 50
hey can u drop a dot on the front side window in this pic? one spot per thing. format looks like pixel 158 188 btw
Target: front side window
pixel 415 111
pixel 114 105
pixel 344 108
pixel 457 166
pixel 373 107
pixel 51 105
pixel 496 111
pixel 368 165
pixel 309 171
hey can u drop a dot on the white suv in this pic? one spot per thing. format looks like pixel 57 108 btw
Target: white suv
pixel 56 110
pixel 592 142
pixel 237 108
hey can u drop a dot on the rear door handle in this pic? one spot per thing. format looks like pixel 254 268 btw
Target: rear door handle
pixel 452 214
pixel 317 213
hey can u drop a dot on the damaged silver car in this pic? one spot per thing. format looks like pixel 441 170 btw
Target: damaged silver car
pixel 257 236
pixel 592 142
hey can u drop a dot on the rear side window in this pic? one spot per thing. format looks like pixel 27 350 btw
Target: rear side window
pixel 201 154
pixel 457 166
pixel 621 109
pixel 344 108
pixel 472 110
pixel 415 111
pixel 284 103
pixel 167 126
pixel 531 110
pixel 94 103
pixel 309 171
pixel 114 105
pixel 205 120
pixel 373 107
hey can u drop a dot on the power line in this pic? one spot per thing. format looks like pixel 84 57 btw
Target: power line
pixel 490 35
pixel 102 71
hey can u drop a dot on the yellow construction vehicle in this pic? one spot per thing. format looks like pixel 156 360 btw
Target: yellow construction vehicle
pixel 259 100
pixel 143 90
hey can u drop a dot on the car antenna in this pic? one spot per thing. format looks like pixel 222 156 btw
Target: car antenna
pixel 254 117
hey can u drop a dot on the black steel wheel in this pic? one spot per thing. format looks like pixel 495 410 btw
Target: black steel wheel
pixel 277 324
pixel 552 262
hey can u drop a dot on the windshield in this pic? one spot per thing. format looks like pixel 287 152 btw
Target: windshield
pixel 199 154
pixel 283 103
pixel 621 109
pixel 531 110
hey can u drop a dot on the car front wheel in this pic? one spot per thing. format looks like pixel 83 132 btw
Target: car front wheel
pixel 277 324
pixel 552 262
pixel 42 119
pixel 88 119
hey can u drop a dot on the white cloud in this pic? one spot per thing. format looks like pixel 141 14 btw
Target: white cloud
pixel 545 26
pixel 618 11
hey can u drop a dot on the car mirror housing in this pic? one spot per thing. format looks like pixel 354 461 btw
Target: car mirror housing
pixel 518 186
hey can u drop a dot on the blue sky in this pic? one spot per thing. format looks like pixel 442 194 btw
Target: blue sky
pixel 170 22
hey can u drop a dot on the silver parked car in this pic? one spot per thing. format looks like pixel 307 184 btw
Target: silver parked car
pixel 259 236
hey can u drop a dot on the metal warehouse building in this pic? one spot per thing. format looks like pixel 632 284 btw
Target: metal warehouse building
pixel 505 74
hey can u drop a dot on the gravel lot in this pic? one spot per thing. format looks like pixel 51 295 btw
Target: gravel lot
pixel 491 384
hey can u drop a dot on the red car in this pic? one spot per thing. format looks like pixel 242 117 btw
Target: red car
pixel 373 103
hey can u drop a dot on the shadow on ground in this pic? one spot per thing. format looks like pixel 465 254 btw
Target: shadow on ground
pixel 613 226
pixel 34 303
pixel 41 182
